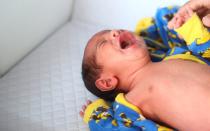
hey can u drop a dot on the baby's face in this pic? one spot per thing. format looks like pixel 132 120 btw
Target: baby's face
pixel 115 50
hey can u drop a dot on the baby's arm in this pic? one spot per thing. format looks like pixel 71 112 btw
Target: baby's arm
pixel 119 116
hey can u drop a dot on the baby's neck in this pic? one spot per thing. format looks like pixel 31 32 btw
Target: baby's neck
pixel 139 74
pixel 133 73
pixel 140 83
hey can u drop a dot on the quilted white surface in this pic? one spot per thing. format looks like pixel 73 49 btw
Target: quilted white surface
pixel 45 92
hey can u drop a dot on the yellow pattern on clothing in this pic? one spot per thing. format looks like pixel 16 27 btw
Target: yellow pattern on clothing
pixel 206 54
pixel 93 106
pixel 190 34
pixel 185 57
pixel 162 128
pixel 121 99
pixel 143 24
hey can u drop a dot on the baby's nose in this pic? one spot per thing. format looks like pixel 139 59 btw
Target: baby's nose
pixel 115 33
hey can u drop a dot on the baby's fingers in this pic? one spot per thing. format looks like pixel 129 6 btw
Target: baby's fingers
pixel 84 107
pixel 189 11
pixel 89 102
pixel 81 113
pixel 178 23
pixel 173 23
pixel 170 25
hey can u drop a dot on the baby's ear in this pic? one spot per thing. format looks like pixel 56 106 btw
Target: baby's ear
pixel 106 83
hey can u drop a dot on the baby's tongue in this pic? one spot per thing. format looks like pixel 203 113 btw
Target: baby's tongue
pixel 126 40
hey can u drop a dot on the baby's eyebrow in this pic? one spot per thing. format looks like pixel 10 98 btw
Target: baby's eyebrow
pixel 99 42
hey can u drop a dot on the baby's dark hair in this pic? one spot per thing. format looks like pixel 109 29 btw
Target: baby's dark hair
pixel 90 73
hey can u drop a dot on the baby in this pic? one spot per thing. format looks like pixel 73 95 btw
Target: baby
pixel 174 91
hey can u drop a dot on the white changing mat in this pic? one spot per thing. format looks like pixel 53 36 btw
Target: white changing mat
pixel 45 92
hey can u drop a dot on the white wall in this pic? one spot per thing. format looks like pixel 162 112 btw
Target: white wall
pixel 118 13
pixel 25 23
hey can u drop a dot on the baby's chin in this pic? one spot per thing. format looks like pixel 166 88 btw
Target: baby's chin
pixel 142 50
pixel 141 43
pixel 139 52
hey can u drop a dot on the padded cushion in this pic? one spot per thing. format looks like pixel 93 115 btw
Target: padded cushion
pixel 45 90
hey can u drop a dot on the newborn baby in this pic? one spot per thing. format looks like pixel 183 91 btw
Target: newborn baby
pixel 174 91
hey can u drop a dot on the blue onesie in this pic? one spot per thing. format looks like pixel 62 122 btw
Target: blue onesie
pixel 163 44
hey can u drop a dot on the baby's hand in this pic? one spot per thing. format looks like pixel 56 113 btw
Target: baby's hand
pixel 180 17
pixel 84 108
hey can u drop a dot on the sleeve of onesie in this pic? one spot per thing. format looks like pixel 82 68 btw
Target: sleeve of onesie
pixel 196 36
pixel 118 116
pixel 100 116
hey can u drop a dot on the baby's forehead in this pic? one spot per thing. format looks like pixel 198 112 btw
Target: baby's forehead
pixel 97 37
pixel 92 43
pixel 100 34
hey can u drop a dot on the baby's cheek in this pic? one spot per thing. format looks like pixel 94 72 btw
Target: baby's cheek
pixel 143 52
pixel 141 41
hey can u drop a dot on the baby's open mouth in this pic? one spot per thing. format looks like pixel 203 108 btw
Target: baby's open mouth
pixel 126 40
pixel 125 44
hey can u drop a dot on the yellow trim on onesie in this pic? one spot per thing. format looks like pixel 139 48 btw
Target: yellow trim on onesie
pixel 93 106
pixel 206 54
pixel 121 99
pixel 185 57
pixel 190 34
pixel 163 128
